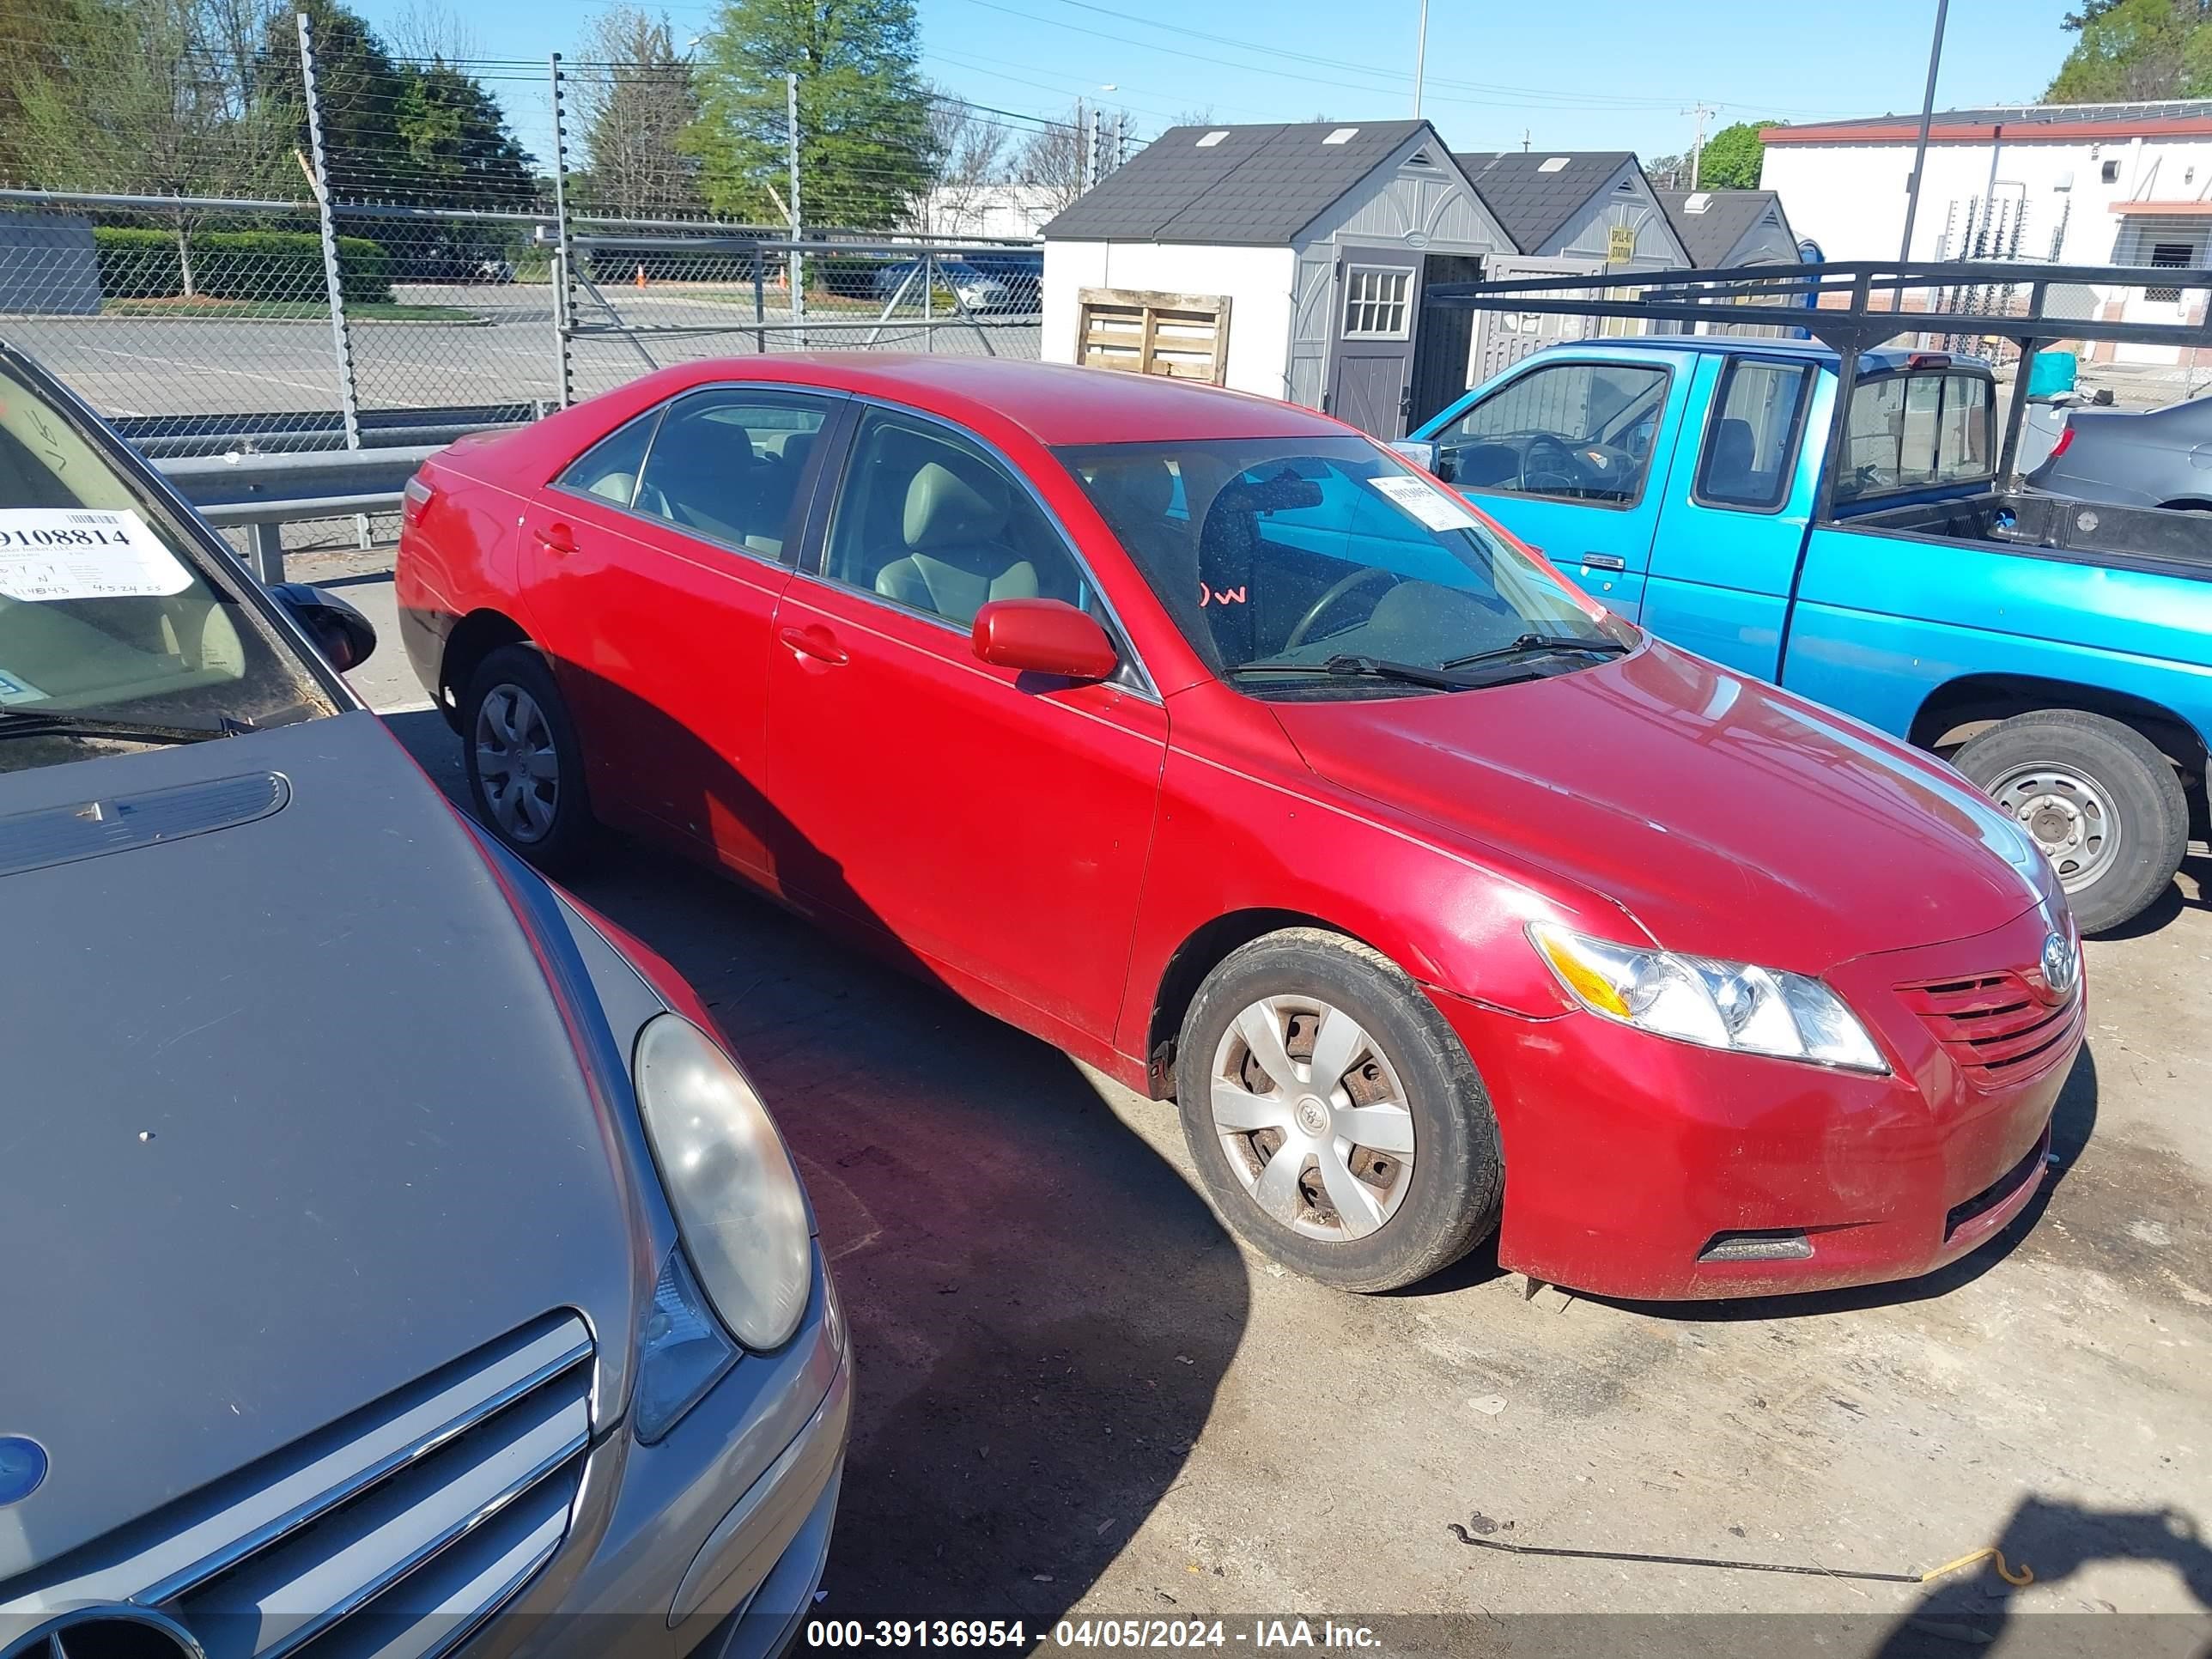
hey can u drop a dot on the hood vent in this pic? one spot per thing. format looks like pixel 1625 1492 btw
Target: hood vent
pixel 92 828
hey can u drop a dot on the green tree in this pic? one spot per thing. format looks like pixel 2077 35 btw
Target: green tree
pixel 1732 157
pixel 2133 50
pixel 865 142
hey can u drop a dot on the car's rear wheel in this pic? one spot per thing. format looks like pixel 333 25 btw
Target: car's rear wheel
pixel 525 769
pixel 2104 805
pixel 1336 1122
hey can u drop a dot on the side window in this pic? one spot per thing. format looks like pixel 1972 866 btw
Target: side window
pixel 1578 432
pixel 926 520
pixel 1753 442
pixel 727 463
pixel 609 468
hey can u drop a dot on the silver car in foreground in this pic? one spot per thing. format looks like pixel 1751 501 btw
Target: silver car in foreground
pixel 394 1259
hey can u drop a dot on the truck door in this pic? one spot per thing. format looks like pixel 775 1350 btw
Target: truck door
pixel 1733 526
pixel 1571 455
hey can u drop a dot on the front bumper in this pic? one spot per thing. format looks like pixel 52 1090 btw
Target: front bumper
pixel 1628 1156
pixel 711 1541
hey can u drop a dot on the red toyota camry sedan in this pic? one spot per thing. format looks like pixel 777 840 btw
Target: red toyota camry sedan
pixel 1202 737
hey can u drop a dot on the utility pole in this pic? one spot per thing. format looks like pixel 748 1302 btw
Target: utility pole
pixel 1420 57
pixel 798 266
pixel 1920 151
pixel 1704 112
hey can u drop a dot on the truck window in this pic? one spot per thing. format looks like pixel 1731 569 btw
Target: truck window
pixel 1752 443
pixel 1916 428
pixel 1575 432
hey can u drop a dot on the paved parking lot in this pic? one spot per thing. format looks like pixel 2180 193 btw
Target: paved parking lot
pixel 1078 1397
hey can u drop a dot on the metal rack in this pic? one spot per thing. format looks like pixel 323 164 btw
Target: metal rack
pixel 1837 304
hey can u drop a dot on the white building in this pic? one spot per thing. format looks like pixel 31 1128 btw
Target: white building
pixel 990 211
pixel 2072 183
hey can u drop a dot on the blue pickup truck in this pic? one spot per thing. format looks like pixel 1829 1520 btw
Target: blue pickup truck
pixel 2059 652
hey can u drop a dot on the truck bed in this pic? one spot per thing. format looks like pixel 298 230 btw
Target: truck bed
pixel 2087 532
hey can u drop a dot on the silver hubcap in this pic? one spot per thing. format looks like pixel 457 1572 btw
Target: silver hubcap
pixel 1313 1118
pixel 2069 817
pixel 516 761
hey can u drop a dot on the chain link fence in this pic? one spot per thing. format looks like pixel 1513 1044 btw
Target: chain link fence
pixel 239 229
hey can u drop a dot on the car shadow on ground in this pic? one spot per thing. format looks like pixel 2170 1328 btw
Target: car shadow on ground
pixel 1973 1611
pixel 1041 1308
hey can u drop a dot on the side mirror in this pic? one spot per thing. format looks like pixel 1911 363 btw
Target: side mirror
pixel 1419 451
pixel 1044 636
pixel 347 637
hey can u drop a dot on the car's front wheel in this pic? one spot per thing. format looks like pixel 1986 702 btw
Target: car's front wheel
pixel 1336 1122
pixel 525 769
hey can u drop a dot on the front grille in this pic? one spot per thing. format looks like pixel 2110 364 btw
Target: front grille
pixel 1998 1030
pixel 394 1532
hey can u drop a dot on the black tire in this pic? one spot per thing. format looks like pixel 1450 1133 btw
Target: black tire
pixel 572 837
pixel 2149 812
pixel 1449 1202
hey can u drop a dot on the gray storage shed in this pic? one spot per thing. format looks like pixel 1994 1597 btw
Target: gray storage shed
pixel 1577 204
pixel 1719 229
pixel 1288 260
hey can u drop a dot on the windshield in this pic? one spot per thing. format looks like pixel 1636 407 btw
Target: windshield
pixel 1279 552
pixel 106 610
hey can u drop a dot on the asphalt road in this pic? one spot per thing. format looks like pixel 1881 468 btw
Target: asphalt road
pixel 132 366
pixel 1080 1398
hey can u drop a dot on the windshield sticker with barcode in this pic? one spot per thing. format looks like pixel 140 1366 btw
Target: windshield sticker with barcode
pixel 1434 509
pixel 14 688
pixel 84 553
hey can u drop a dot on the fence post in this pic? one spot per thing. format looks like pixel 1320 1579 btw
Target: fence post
pixel 269 551
pixel 563 274
pixel 797 267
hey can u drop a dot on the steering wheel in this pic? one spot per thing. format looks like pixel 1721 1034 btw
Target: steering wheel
pixel 1337 591
pixel 1557 470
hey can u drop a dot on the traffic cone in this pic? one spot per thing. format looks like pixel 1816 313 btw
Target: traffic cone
pixel 640 273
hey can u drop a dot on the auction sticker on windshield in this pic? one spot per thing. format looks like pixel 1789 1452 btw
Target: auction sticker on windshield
pixel 84 553
pixel 1434 509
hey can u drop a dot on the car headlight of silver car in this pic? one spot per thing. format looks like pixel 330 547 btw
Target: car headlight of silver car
pixel 1704 1000
pixel 739 1206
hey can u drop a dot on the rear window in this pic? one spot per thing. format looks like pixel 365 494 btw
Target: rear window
pixel 1916 430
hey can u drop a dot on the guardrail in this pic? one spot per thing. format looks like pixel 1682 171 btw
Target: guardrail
pixel 266 492
pixel 273 432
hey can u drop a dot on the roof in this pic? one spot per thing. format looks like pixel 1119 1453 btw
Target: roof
pixel 1255 187
pixel 1720 219
pixel 2178 118
pixel 1534 192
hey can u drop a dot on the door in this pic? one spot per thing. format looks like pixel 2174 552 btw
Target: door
pixel 655 565
pixel 1378 296
pixel 1443 339
pixel 1503 338
pixel 992 823
pixel 1571 455
pixel 1727 553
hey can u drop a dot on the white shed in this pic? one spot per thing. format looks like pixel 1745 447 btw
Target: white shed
pixel 1283 260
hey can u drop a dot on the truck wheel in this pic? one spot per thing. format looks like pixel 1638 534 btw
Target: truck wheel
pixel 2105 807
pixel 1336 1122
pixel 525 769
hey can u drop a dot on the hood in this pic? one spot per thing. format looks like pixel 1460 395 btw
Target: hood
pixel 291 1117
pixel 1729 818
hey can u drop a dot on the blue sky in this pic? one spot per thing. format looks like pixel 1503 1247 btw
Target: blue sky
pixel 1585 74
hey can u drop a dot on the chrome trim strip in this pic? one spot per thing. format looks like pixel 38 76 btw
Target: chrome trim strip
pixel 268 1532
pixel 505 1593
pixel 423 1552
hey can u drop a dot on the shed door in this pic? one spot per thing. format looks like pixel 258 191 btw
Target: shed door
pixel 1503 338
pixel 1378 301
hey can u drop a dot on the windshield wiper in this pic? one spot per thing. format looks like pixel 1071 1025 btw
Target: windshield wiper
pixel 91 723
pixel 1372 668
pixel 1603 645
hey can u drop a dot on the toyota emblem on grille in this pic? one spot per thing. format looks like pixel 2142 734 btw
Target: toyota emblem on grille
pixel 118 1632
pixel 2061 965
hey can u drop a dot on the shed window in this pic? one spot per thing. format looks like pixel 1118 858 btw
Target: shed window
pixel 2169 256
pixel 1376 302
pixel 1212 138
pixel 1557 164
pixel 1341 136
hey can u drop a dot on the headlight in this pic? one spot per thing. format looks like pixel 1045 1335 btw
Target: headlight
pixel 736 1197
pixel 1719 1004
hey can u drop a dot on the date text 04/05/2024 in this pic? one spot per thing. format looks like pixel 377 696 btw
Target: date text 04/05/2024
pixel 1260 1634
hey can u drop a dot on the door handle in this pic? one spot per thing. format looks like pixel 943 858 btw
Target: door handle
pixel 555 537
pixel 815 642
pixel 1605 562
